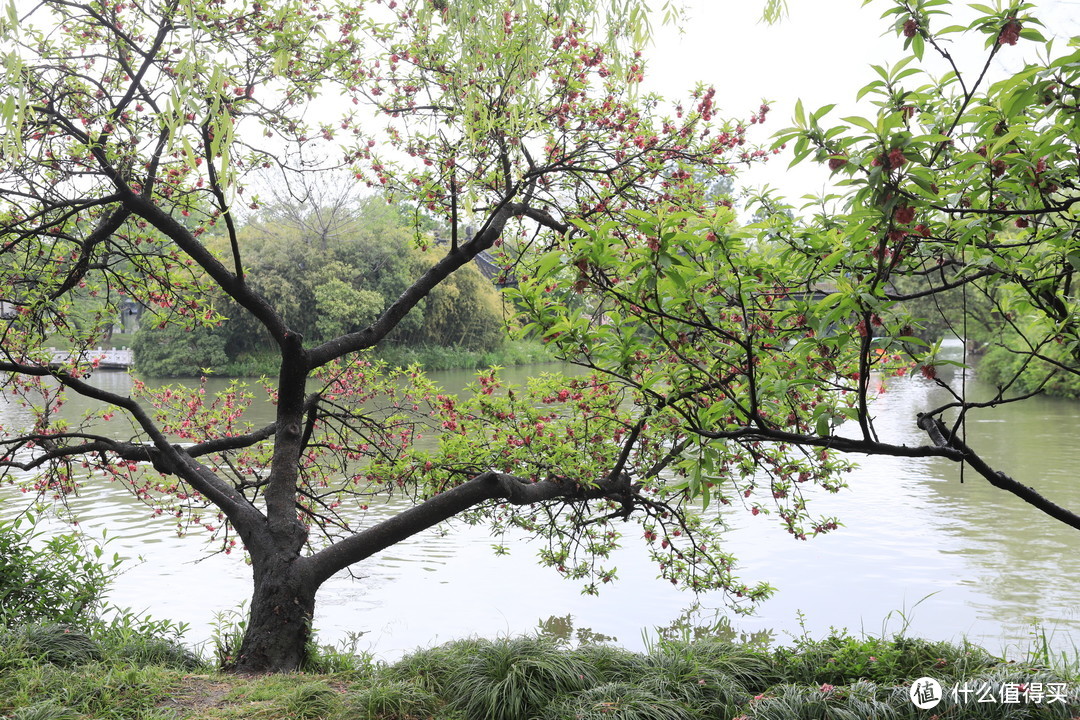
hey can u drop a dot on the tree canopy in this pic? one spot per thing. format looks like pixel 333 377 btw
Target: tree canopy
pixel 334 265
pixel 725 359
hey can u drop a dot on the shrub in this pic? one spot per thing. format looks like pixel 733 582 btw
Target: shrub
pixel 60 582
pixel 1001 366
pixel 176 351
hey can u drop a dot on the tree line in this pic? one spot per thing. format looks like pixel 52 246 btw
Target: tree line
pixel 334 268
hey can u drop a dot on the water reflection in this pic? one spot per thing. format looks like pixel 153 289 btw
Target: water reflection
pixel 917 548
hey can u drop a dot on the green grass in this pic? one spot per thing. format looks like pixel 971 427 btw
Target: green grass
pixel 123 670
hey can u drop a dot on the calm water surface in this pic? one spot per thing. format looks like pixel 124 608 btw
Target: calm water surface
pixel 917 548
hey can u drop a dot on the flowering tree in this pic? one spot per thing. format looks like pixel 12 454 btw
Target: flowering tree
pixel 755 340
pixel 130 131
pixel 959 186
pixel 720 368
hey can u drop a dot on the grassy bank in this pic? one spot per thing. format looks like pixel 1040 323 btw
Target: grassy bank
pixel 53 674
pixel 513 352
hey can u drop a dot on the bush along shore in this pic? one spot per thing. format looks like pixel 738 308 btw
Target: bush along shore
pixel 430 357
pixel 137 669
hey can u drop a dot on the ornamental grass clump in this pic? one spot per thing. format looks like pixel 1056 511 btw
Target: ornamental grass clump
pixel 754 668
pixel 860 701
pixel 675 672
pixel 1036 695
pixel 431 667
pixel 391 699
pixel 515 679
pixel 617 701
pixel 310 701
pixel 46 710
pixel 56 644
pixel 917 657
pixel 612 664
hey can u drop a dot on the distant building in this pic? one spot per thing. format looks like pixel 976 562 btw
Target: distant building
pixel 493 271
pixel 499 276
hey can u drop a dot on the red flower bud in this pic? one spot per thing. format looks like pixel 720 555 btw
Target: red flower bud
pixel 1010 33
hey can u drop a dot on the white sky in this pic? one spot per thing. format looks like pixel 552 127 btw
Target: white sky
pixel 821 52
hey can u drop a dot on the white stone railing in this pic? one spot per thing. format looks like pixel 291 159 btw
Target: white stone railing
pixel 119 359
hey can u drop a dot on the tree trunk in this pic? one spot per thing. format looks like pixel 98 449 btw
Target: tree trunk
pixel 279 622
pixel 283 603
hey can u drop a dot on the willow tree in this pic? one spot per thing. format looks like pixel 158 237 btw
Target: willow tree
pixel 130 132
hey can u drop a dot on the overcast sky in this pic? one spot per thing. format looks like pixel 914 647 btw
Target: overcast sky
pixel 821 53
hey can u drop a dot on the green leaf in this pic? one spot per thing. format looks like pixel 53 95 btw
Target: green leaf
pixel 875 85
pixel 822 112
pixel 861 122
pixel 548 261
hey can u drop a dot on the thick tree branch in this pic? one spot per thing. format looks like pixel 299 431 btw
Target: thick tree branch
pixel 943 437
pixel 233 285
pixel 170 458
pixel 371 335
pixel 482 488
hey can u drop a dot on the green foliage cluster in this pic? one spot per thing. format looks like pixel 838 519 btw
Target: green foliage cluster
pixel 839 676
pixel 1003 367
pixel 438 357
pixel 47 579
pixel 955 213
pixel 178 351
pixel 55 672
pixel 328 274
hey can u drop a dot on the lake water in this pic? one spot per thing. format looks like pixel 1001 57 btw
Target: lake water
pixel 917 549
